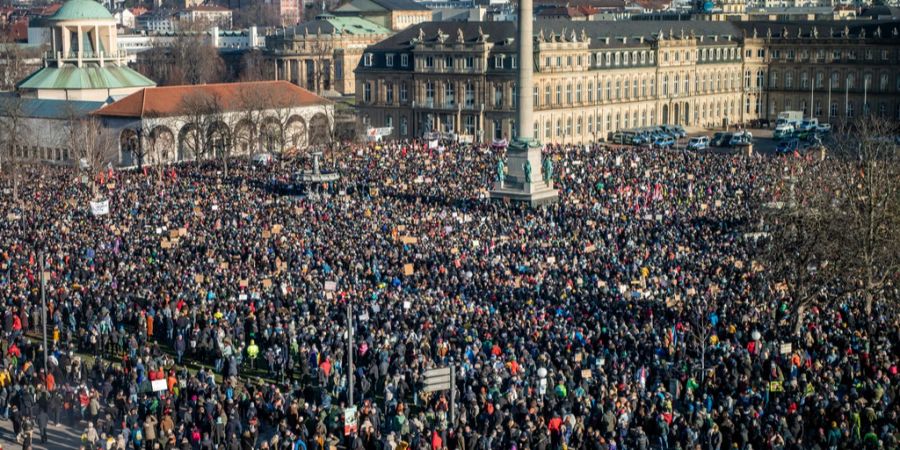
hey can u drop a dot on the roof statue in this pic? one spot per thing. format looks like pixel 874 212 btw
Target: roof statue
pixel 799 32
pixel 862 33
pixel 784 32
pixel 481 36
pixel 846 31
pixel 421 34
pixel 894 32
pixel 769 33
pixel 441 37
pixel 754 32
pixel 815 32
pixel 584 36
pixel 562 35
pixel 693 34
pixel 682 32
pixel 878 32
pixel 573 37
pixel 460 37
pixel 661 34
pixel 541 37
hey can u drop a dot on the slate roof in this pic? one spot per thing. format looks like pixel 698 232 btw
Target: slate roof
pixel 48 109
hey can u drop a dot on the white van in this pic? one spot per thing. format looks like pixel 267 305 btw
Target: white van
pixel 698 143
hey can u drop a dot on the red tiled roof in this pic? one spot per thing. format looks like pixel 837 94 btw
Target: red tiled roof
pixel 166 101
pixel 138 10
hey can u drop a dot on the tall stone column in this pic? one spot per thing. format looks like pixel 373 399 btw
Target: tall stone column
pixel 525 179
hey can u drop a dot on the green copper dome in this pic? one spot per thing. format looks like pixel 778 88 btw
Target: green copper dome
pixel 81 10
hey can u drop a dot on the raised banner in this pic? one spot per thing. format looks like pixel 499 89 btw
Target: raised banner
pixel 100 208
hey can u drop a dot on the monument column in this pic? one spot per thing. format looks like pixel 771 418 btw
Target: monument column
pixel 529 178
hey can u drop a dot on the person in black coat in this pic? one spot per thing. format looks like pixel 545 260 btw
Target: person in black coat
pixel 42 419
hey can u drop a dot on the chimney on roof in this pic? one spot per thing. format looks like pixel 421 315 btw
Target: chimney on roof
pixel 606 40
pixel 624 39
pixel 716 38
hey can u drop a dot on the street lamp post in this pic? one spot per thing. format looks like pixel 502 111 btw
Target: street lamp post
pixel 44 309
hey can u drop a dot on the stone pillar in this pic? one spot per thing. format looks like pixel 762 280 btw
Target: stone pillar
pixel 525 103
pixel 80 39
pixel 524 181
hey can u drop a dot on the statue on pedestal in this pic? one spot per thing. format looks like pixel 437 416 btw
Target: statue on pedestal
pixel 548 170
pixel 501 172
pixel 527 169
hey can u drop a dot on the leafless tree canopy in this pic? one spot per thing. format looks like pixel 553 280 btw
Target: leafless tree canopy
pixel 835 234
pixel 190 60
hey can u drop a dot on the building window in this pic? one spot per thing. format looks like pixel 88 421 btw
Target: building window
pixel 404 60
pixel 569 94
pixel 788 80
pixel 569 126
pixel 535 100
pixel 590 123
pixel 627 87
pixel 389 121
pixel 404 92
pixel 547 97
pixel 469 62
pixel 818 108
pixel 367 60
pixel 469 124
pixel 498 96
pixel 429 93
pixel 389 60
pixel 665 85
pixel 367 92
pixel 643 87
pixel 547 130
pixel 513 62
pixel 558 94
pixel 608 122
pixel 804 80
pixel 851 81
pixel 578 93
pixel 833 109
pixel 448 62
pixel 470 95
pixel 558 127
pixel 449 94
pixel 849 110
pixel 590 92
pixel 429 62
pixel 883 83
pixel 389 93
pixel 498 61
pixel 404 126
pixel 498 129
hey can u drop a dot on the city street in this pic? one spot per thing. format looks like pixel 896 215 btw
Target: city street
pixel 59 437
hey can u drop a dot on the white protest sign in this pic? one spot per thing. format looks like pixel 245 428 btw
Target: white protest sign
pixel 100 208
pixel 159 385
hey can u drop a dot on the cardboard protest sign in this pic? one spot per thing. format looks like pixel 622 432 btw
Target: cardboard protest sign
pixel 165 243
pixel 786 348
pixel 267 283
pixel 331 286
pixel 198 278
pixel 244 283
pixel 408 269
pixel 409 240
pixel 266 234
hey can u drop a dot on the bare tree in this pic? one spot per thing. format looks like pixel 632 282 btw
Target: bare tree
pixel 14 62
pixel 253 67
pixel 868 161
pixel 189 60
pixel 803 249
pixel 203 112
pixel 91 145
pixel 157 144
pixel 13 132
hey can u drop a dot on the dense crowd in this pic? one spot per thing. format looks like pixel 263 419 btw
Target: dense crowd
pixel 206 312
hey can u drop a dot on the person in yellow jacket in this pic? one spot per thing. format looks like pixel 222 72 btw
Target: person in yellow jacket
pixel 252 353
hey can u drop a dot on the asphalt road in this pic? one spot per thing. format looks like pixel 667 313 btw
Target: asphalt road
pixel 58 437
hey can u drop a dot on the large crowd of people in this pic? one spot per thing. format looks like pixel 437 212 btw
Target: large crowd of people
pixel 205 312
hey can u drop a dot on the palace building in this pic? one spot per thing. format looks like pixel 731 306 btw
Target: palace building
pixel 593 78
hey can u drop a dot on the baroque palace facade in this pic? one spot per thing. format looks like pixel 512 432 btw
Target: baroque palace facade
pixel 593 78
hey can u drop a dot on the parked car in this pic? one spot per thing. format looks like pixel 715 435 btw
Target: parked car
pixel 698 143
pixel 823 128
pixel 741 138
pixel 664 142
pixel 721 139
